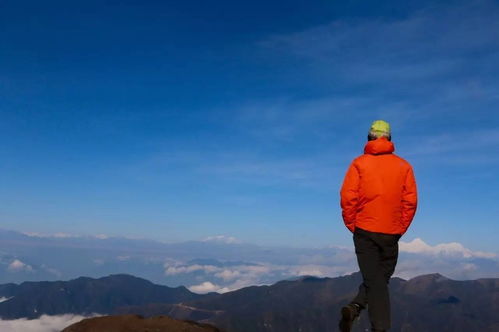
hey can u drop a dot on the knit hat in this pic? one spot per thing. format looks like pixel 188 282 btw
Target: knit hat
pixel 380 128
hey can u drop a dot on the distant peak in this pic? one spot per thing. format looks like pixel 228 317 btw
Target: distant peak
pixel 120 276
pixel 123 276
pixel 432 276
pixel 310 279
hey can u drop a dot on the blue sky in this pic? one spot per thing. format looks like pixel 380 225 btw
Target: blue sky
pixel 182 120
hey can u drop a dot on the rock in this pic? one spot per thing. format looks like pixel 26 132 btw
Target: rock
pixel 136 323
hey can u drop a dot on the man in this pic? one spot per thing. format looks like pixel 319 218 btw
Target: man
pixel 378 201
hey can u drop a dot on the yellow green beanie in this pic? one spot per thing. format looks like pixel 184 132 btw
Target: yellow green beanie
pixel 380 128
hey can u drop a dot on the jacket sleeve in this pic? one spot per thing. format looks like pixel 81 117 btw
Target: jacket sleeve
pixel 350 197
pixel 409 200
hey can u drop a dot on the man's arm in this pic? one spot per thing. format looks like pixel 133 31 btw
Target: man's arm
pixel 409 200
pixel 350 197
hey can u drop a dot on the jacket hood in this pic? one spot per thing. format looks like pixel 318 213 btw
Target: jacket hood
pixel 379 146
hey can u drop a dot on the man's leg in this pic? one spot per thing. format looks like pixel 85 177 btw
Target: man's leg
pixel 389 253
pixel 369 257
pixel 352 310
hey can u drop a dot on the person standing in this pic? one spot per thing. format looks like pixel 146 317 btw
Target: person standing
pixel 378 202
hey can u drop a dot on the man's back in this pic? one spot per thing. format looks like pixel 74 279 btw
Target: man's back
pixel 379 191
pixel 378 199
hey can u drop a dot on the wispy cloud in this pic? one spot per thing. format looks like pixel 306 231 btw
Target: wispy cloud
pixel 55 235
pixel 268 171
pixel 287 119
pixel 424 68
pixel 173 270
pixel 428 44
pixel 462 143
pixel 435 65
pixel 419 72
pixel 249 167
pixel 61 235
pixel 222 239
pixel 18 266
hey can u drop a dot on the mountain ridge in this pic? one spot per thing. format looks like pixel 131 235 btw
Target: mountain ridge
pixel 425 303
pixel 85 296
pixel 130 323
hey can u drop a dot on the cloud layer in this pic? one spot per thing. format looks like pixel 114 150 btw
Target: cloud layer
pixel 43 324
pixel 418 246
pixel 416 257
pixel 219 263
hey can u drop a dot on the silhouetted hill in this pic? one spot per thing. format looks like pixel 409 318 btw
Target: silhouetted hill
pixel 85 296
pixel 134 323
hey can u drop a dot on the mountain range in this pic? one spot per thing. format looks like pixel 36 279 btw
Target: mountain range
pixel 307 304
pixel 85 296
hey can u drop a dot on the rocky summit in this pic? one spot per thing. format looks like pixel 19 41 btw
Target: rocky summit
pixel 136 323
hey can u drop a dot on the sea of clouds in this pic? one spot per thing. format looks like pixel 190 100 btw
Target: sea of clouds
pixel 43 324
pixel 218 263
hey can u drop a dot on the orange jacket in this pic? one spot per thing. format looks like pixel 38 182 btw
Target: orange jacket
pixel 379 191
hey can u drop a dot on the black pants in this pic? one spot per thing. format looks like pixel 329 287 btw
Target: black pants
pixel 377 256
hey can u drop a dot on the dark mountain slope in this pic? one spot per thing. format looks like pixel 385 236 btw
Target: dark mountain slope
pixel 134 323
pixel 86 296
pixel 433 301
pixel 426 303
pixel 8 290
